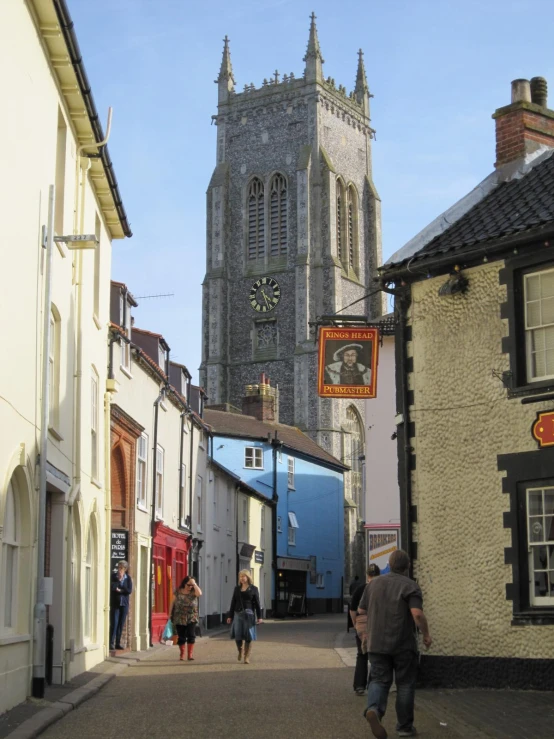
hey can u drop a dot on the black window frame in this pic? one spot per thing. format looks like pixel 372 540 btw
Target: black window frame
pixel 511 275
pixel 524 469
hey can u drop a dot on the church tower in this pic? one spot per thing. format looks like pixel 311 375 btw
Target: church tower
pixel 293 233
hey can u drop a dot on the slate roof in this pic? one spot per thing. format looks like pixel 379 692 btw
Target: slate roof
pixel 248 427
pixel 512 207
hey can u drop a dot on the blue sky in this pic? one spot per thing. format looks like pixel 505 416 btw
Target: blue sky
pixel 437 68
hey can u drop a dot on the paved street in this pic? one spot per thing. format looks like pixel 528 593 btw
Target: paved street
pixel 297 686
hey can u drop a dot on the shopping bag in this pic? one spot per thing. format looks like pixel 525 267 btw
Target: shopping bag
pixel 167 635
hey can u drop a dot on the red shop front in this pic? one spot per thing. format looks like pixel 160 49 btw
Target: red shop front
pixel 171 549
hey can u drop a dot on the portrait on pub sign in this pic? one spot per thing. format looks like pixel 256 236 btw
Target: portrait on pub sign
pixel 348 362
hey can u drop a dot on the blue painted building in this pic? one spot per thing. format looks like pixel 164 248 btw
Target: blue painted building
pixel 285 465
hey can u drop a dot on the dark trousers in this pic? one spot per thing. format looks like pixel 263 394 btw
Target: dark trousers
pixel 404 668
pixel 360 673
pixel 118 615
pixel 186 633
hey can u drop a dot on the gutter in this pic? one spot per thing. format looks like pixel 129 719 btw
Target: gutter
pixel 67 28
pixel 157 402
pixel 462 256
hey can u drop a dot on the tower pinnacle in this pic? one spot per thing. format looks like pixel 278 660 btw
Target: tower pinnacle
pixel 361 91
pixel 226 80
pixel 314 60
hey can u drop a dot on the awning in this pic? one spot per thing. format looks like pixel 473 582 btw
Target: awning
pixel 293 521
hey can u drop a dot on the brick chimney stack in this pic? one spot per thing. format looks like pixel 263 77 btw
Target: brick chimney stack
pixel 262 401
pixel 526 124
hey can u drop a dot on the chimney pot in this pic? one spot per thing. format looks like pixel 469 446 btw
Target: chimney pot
pixel 539 91
pixel 521 91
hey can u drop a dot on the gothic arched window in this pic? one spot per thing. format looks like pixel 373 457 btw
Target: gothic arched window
pixel 341 223
pixel 256 225
pixel 278 216
pixel 352 214
pixel 354 450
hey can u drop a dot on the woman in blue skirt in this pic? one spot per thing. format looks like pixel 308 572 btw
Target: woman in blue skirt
pixel 244 613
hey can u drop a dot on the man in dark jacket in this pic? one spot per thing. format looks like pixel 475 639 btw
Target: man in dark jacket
pixel 394 606
pixel 121 589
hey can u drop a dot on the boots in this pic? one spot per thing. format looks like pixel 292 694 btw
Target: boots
pixel 181 652
pixel 247 649
pixel 190 650
pixel 239 658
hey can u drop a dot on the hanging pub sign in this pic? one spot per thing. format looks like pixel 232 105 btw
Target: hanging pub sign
pixel 348 362
pixel 543 429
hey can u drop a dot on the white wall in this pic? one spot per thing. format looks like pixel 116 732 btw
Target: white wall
pixel 381 464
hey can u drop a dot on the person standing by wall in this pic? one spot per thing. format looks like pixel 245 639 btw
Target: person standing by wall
pixel 244 612
pixel 360 625
pixel 394 605
pixel 184 615
pixel 121 589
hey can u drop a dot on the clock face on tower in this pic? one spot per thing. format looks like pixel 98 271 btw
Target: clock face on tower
pixel 265 294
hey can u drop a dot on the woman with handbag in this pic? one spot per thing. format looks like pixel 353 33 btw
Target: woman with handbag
pixel 244 613
pixel 184 615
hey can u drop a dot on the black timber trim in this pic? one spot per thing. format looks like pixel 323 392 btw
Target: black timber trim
pixel 535 467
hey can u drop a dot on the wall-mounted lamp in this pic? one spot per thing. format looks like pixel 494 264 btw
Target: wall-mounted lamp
pixel 456 283
pixel 82 241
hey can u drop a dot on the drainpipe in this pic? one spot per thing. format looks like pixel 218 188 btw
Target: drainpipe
pixel 403 436
pixel 39 616
pixel 191 478
pixel 108 509
pixel 157 402
pixel 276 444
pixel 237 558
pixel 181 444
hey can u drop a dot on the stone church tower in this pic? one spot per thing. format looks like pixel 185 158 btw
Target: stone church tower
pixel 293 233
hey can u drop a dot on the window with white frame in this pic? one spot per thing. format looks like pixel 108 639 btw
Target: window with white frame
pixel 216 500
pixel 94 425
pixel 254 457
pixel 538 288
pixel 161 357
pixel 126 326
pixel 10 556
pixel 199 502
pixel 293 525
pixel 290 476
pixel 229 517
pixel 262 527
pixel 90 587
pixel 142 469
pixel 54 369
pixel 184 497
pixel 279 524
pixel 540 538
pixel 320 580
pixel 159 481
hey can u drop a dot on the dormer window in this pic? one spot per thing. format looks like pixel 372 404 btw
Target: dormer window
pixel 162 357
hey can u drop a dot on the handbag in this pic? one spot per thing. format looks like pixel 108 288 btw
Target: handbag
pixel 169 632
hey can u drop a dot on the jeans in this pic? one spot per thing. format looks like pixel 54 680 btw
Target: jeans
pixel 404 667
pixel 360 673
pixel 118 615
pixel 186 632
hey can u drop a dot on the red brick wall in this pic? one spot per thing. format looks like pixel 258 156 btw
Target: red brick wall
pixel 123 481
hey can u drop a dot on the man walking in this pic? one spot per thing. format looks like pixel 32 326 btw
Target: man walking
pixel 361 671
pixel 393 603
